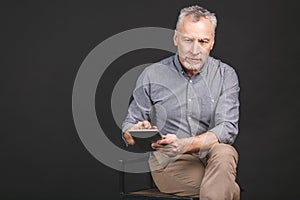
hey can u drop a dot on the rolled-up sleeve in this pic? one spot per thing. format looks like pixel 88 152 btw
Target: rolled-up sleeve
pixel 140 106
pixel 226 114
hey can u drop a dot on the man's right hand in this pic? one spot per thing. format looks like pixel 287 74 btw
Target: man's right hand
pixel 140 125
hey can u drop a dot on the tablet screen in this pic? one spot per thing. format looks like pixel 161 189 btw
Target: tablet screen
pixel 144 137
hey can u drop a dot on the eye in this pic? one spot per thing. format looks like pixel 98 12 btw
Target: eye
pixel 189 40
pixel 203 41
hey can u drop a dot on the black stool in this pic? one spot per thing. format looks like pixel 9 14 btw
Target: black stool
pixel 149 193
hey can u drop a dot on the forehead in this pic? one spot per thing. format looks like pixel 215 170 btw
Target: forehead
pixel 201 28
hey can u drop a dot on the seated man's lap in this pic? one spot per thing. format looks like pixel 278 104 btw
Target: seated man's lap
pixel 183 177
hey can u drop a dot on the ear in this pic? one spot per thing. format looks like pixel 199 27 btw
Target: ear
pixel 212 45
pixel 175 39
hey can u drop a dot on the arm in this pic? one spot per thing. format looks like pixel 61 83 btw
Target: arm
pixel 226 115
pixel 138 110
pixel 172 146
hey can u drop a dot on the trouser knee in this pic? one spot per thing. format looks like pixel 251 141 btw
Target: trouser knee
pixel 223 153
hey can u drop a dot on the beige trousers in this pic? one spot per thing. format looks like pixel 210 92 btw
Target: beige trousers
pixel 210 179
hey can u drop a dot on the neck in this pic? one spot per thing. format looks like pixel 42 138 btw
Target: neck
pixel 190 72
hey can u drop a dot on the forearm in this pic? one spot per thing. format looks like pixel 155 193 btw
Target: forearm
pixel 200 142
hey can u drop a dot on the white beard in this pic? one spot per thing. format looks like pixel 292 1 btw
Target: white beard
pixel 194 66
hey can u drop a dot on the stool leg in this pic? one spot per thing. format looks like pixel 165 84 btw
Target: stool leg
pixel 121 180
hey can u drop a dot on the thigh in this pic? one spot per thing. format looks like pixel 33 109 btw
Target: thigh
pixel 181 177
pixel 223 153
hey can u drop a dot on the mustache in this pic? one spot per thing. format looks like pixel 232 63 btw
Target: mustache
pixel 193 58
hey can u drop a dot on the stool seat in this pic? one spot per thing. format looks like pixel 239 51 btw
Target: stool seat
pixel 154 193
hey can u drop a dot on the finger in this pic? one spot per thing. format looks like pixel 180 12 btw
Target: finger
pixel 146 124
pixel 129 138
pixel 169 138
pixel 164 141
pixel 138 125
pixel 156 146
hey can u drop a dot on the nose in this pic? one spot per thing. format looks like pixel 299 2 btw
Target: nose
pixel 195 48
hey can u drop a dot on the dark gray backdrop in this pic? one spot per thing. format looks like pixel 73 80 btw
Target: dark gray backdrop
pixel 43 44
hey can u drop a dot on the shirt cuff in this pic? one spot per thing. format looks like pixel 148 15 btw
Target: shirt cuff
pixel 221 133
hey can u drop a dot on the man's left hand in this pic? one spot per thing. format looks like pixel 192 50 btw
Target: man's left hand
pixel 171 145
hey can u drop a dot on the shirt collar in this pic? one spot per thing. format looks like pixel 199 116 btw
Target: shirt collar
pixel 178 64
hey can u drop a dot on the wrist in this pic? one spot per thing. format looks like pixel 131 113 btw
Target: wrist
pixel 189 145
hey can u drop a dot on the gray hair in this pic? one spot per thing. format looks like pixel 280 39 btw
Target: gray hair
pixel 197 12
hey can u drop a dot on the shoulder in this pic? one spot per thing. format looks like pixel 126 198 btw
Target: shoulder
pixel 217 66
pixel 160 73
pixel 165 65
pixel 167 61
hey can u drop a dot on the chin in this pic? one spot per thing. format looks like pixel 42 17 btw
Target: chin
pixel 193 67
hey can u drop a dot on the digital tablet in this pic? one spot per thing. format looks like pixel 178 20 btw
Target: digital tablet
pixel 144 137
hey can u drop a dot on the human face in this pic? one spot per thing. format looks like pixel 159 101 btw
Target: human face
pixel 194 41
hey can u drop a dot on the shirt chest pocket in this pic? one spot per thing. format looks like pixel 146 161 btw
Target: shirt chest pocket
pixel 206 104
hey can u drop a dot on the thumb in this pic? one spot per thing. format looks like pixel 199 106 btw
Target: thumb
pixel 128 138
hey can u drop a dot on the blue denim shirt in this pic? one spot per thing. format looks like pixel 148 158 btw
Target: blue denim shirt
pixel 187 106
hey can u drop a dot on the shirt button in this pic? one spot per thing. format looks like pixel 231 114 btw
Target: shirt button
pixel 191 81
pixel 189 99
pixel 189 117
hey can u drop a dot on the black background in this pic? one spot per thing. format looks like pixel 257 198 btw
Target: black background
pixel 43 44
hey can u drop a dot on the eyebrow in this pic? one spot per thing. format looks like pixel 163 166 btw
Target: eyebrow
pixel 190 37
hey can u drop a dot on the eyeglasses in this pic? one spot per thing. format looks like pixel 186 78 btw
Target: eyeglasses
pixel 189 42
